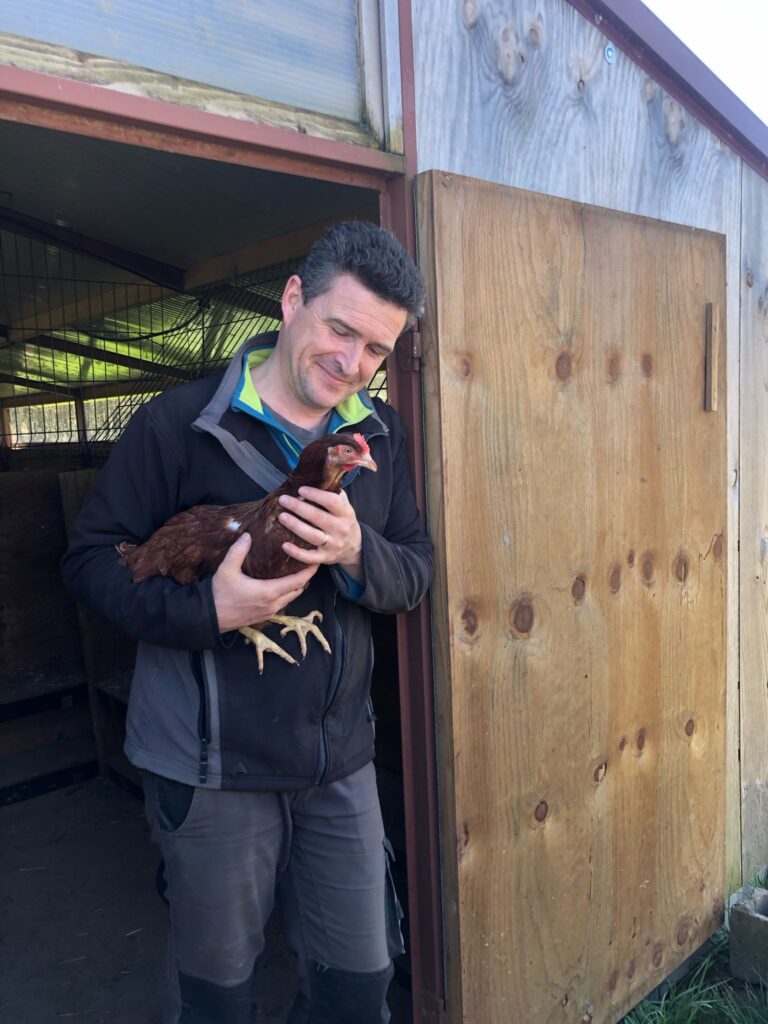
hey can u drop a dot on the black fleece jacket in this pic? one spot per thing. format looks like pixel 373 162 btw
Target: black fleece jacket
pixel 199 711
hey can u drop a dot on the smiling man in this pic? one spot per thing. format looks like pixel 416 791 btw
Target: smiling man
pixel 263 787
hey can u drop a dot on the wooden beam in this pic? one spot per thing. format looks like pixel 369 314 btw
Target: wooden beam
pixel 108 390
pixel 40 385
pixel 250 302
pixel 267 252
pixel 114 301
pixel 75 348
pixel 143 266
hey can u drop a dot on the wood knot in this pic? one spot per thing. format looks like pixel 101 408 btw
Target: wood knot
pixel 750 279
pixel 464 366
pixel 647 568
pixel 641 741
pixel 581 85
pixel 579 588
pixel 658 955
pixel 469 618
pixel 681 567
pixel 508 53
pixel 646 364
pixel 615 579
pixel 717 547
pixel 631 969
pixel 623 743
pixel 542 810
pixel 630 558
pixel 533 36
pixel 614 367
pixel 613 981
pixel 682 934
pixel 521 616
pixel 600 771
pixel 690 727
pixel 563 366
pixel 469 12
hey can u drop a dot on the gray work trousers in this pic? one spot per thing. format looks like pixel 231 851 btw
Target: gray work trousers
pixel 229 854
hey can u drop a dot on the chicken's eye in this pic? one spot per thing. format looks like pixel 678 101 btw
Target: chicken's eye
pixel 348 450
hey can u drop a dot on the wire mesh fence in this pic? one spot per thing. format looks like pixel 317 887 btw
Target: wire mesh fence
pixel 83 345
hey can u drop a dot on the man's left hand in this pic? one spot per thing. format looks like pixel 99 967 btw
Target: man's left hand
pixel 327 521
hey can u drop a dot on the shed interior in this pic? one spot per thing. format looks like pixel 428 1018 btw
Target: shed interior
pixel 123 271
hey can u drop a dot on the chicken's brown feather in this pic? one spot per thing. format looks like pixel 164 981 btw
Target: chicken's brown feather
pixel 192 544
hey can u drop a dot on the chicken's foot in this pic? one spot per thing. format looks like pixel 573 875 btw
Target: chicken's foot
pixel 263 643
pixel 301 626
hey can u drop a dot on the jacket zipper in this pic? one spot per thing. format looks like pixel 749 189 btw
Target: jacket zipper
pixel 325 749
pixel 203 715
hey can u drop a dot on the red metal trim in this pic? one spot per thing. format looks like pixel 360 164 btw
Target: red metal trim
pixel 60 103
pixel 417 710
pixel 650 44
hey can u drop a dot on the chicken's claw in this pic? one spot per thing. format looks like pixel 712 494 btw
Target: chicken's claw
pixel 263 643
pixel 301 626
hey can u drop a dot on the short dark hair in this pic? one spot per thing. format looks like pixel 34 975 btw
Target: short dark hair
pixel 371 255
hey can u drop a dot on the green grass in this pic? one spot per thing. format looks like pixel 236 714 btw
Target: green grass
pixel 708 995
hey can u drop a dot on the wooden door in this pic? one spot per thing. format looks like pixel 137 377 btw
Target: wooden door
pixel 577 498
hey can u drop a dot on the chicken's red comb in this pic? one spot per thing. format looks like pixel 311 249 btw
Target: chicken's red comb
pixel 362 442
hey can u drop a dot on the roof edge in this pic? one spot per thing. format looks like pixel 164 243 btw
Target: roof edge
pixel 649 43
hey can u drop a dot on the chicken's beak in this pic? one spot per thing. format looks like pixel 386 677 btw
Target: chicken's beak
pixel 366 462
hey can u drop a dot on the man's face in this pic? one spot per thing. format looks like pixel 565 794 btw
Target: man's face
pixel 334 344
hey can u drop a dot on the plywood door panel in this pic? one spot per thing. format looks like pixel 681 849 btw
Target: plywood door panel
pixel 577 498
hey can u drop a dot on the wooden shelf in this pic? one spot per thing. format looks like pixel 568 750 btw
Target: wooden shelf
pixel 42 769
pixel 26 693
pixel 118 686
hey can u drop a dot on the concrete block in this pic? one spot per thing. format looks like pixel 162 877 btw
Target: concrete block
pixel 749 937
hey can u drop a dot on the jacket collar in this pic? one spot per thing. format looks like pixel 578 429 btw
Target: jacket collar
pixel 358 411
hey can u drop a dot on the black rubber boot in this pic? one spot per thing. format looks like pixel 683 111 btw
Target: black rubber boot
pixel 345 997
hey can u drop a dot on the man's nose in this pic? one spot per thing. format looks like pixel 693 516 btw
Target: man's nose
pixel 349 360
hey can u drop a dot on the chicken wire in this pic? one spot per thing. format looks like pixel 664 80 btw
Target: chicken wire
pixel 80 351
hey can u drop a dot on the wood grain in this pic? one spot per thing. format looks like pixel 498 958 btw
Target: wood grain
pixel 521 94
pixel 754 525
pixel 578 505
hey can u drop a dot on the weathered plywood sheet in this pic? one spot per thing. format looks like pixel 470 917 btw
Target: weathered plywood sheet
pixel 521 94
pixel 754 524
pixel 577 495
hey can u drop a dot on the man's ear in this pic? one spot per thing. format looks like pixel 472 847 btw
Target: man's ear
pixel 291 298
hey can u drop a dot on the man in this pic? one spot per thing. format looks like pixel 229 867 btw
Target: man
pixel 264 785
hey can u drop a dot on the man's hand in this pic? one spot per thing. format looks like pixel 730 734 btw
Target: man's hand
pixel 243 601
pixel 332 528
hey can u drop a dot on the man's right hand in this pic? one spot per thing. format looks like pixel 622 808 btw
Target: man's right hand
pixel 241 600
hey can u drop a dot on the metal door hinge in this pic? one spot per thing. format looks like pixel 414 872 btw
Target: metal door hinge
pixel 416 349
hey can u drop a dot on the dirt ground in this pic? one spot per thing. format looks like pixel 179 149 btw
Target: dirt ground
pixel 83 928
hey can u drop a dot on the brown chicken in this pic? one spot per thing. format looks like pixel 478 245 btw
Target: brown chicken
pixel 192 544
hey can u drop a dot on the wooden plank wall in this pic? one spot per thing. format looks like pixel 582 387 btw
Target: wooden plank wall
pixel 754 522
pixel 38 618
pixel 521 94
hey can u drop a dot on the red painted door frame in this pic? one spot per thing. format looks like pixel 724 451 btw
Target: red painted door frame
pixel 73 107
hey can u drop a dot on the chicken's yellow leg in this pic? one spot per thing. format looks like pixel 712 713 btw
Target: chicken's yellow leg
pixel 262 643
pixel 301 626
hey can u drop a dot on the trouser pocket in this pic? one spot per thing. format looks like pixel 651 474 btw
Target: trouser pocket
pixel 394 910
